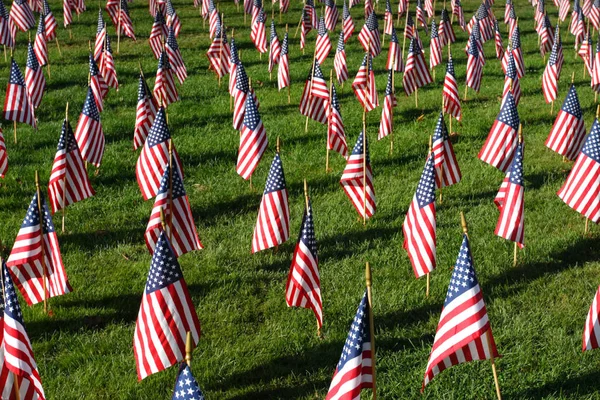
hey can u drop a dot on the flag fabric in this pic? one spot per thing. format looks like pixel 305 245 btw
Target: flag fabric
pixel 445 163
pixel 585 53
pixel 164 85
pixel 507 9
pixel 3 156
pixel 303 287
pixel 258 34
pixel 546 35
pixel 563 10
pixel 50 21
pixel 339 62
pixel 596 71
pixel 445 30
pixel 369 37
pixel 498 41
pixel 336 135
pixel 284 5
pixel 158 34
pixel 173 201
pixel 35 82
pixel 509 201
pixel 240 92
pixel 218 53
pixel 273 222
pixel 402 7
pixel 512 82
pixel 145 113
pixel 88 132
pixel 175 59
pixel 331 15
pixel 458 11
pixel 21 15
pixel 6 27
pixel 17 106
pixel 234 60
pixel 305 28
pixel 499 147
pixel 107 66
pixel 97 83
pixel 591 329
pixel 368 7
pixel 388 18
pixel 357 179
pixel 578 29
pixel 16 349
pixel 421 16
pixel 594 15
pixel 39 46
pixel 35 256
pixel 186 386
pixel 125 21
pixel 315 95
pixel 173 20
pixel 451 100
pixel 477 42
pixel 435 48
pixel 112 8
pixel 100 37
pixel 416 73
pixel 568 132
pixel 283 69
pixel 323 44
pixel 166 314
pixel 552 71
pixel 354 371
pixel 274 47
pixel 347 23
pixel 253 140
pixel 309 6
pixel 214 20
pixel 464 333
pixel 364 85
pixel 386 125
pixel 428 4
pixel 394 60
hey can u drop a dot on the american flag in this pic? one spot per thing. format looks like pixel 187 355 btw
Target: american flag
pixel 476 36
pixel 594 15
pixel 578 28
pixel 79 6
pixel 419 226
pixel 273 222
pixel 173 201
pixel 369 35
pixel 402 7
pixel 253 140
pixel 112 8
pixel 36 6
pixel 416 73
pixel 234 60
pixel 315 95
pixel 586 8
pixel 512 22
pixel 394 60
pixel 485 23
pixel 69 182
pixel 17 350
pixel 368 7
pixel 445 30
pixel 219 53
pixel 458 11
pixel 283 70
pixel 585 53
pixel 186 386
pixel 445 164
pixel 172 18
pixel 258 33
pixel 97 83
pixel 596 71
pixel 498 41
pixel 17 106
pixel 499 147
pixel 364 85
pixel 347 23
pixel 305 28
pixel 451 101
pixel 157 34
pixel 386 125
pixel 50 21
pixel 21 15
pixel 34 78
pixel 591 329
pixel 126 23
pixel 214 20
pixel 421 15
pixel 568 132
pixel 145 113
pixel 512 82
pixel 240 92
pixel 354 371
pixel 107 66
pixel 463 333
pixel 175 59
pixel 510 201
pixel 6 27
pixel 166 314
pixel 388 18
pixel 339 62
pixel 3 156
pixel 552 71
pixel 435 48
pixel 154 158
pixel 88 133
pixel 546 35
pixel 274 47
pixel 507 8
pixel 539 12
pixel 336 135
pixel 309 6
pixel 563 9
pixel 256 11
pixel 36 239
pixel 100 36
pixel 357 179
pixel 164 85
pixel 331 15
pixel 323 44
pixel 428 4
pixel 40 47
pixel 303 287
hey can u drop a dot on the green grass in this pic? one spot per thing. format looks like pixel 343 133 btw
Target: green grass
pixel 253 346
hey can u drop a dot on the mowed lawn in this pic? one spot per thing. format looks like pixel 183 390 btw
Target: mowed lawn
pixel 253 346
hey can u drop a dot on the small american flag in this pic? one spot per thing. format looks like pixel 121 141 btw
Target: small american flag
pixel 578 29
pixel 145 113
pixel 458 11
pixel 421 15
pixel 386 125
pixel 585 53
pixel 445 30
pixel 510 201
pixel 594 14
pixel 309 6
pixel 34 78
pixel 435 48
pixel 546 35
pixel 40 47
pixel 234 60
pixel 357 179
pixel 283 70
pixel 126 23
pixel 336 135
pixel 563 9
pixel 112 8
pixel 69 182
pixel 248 6
pixel 369 36
pixel 21 15
pixel 445 164
pixel 18 353
pixel 463 333
pixel 273 222
pixel 347 23
pixel 388 18
pixel 253 140
pixel 258 33
pixel 364 85
pixel 173 20
pixel 476 35
pixel 305 28
pixel 175 59
pixel 313 102
pixel 339 62
pixel 36 239
pixel 157 34
pixel 6 27
pixel 97 83
pixel 17 106
pixel 284 5
pixel 88 132
pixel 274 47
pixel 303 287
pixel 419 226
pixel 416 73
pixel 428 4
pixel 214 20
pixel 498 41
pixel 512 82
pixel 164 85
pixel 219 53
pixel 240 92
pixel 568 132
pixel 368 7
pixel 186 386
pixel 331 15
pixel 354 371
pixel 552 71
pixel 394 60
pixel 596 71
pixel 3 156
pixel 166 314
pixel 591 329
pixel 507 9
pixel 451 101
pixel 107 66
pixel 499 147
pixel 173 201
pixel 100 37
pixel 402 7
pixel 323 44
pixel 50 21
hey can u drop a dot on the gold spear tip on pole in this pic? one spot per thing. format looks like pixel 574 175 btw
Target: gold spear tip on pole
pixel 162 219
pixel 597 111
pixel 572 77
pixel 305 187
pixel 286 28
pixel 430 143
pixel 67 112
pixel 89 45
pixel 37 179
pixel 463 222
pixel 278 145
pixel 368 274
pixel 520 133
pixel 188 348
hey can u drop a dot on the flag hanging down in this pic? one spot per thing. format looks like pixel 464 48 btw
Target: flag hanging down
pixel 419 226
pixel 445 30
pixel 97 83
pixel 164 85
pixel 21 15
pixel 477 42
pixel 144 114
pixel 354 371
pixel 546 35
pixel 595 83
pixel 552 71
pixel 34 78
pixel 158 34
pixel 451 100
pixel 357 179
pixel 585 53
pixel 499 147
pixel 563 9
pixel 509 201
pixel 35 256
pixel 107 66
pixel 283 69
pixel 234 60
pixel 339 62
pixel 435 49
pixel 166 314
pixel 303 287
pixel 498 41
pixel 112 8
pixel 69 182
pixel 394 60
pixel 125 21
pixel 364 85
pixel 594 14
pixel 331 15
pixel 17 106
pixel 305 28
pixel 175 59
pixel 186 386
pixel 6 27
pixel 402 7
pixel 323 44
pixel 88 132
pixel 173 201
pixel 416 73
pixel 568 132
pixel 173 20
pixel 386 124
pixel 50 22
pixel 253 140
pixel 336 135
pixel 273 222
pixel 100 37
pixel 284 5
pixel 258 33
pixel 240 93
pixel 40 47
pixel 512 82
pixel 347 23
pixel 421 16
pixel 3 156
pixel 313 102
pixel 388 18
pixel 458 11
pixel 219 53
pixel 517 52
pixel 591 329
pixel 581 190
pixel 214 19
pixel 16 346
pixel 445 164
pixel 464 333
pixel 274 47
pixel 369 36
pixel 154 158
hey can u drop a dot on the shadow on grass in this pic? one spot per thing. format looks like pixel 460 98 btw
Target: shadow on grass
pixel 103 239
pixel 340 246
pixel 244 204
pixel 583 385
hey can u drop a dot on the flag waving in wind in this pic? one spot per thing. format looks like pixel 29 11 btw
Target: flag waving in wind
pixel 568 132
pixel 499 147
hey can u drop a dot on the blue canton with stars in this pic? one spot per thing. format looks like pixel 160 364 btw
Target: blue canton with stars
pixel 159 18
pixel 241 79
pixel 516 39
pixel 358 147
pixel 334 100
pixel 186 387
pixel 307 236
pixel 159 131
pixel 358 334
pixel 371 23
pixel 425 194
pixel 571 104
pixel 171 41
pixel 388 6
pixel 394 36
pixel 389 90
pixel 284 45
pixel 508 114
pixel 251 115
pixel 444 16
pixel 276 178
pixel 32 218
pixel 2 293
pixel 94 71
pixel 511 68
pixel 32 61
pixel 322 30
pixel 440 133
pixel 473 50
pixel 164 268
pixel 516 167
pixel 142 93
pixel 100 22
pixel 463 276
pixel 318 71
pixel 163 61
pixel 345 12
pixel 434 30
pixel 41 30
pixel 12 309
pixel 591 148
pixel 273 32
pixel 170 8
pixel 67 141
pixel 178 189
pixel 481 13
pixel 16 77
pixel 476 32
pixel 234 59
pixel 108 45
pixel 3 13
pixel 555 46
pixel 450 67
pixel 414 46
pixel 89 107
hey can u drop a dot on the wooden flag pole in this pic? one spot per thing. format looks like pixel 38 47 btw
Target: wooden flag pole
pixel 428 275
pixel 328 121
pixel 118 29
pixel 170 204
pixel 230 94
pixel 364 121
pixel 16 386
pixel 310 100
pixel 189 347
pixel 516 246
pixel 221 47
pixel 405 23
pixel 392 108
pixel 371 326
pixel 64 199
pixel 417 97
pixel 306 204
pixel 57 46
pixel 15 130
pixel 15 380
pixel 290 83
pixel 42 260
